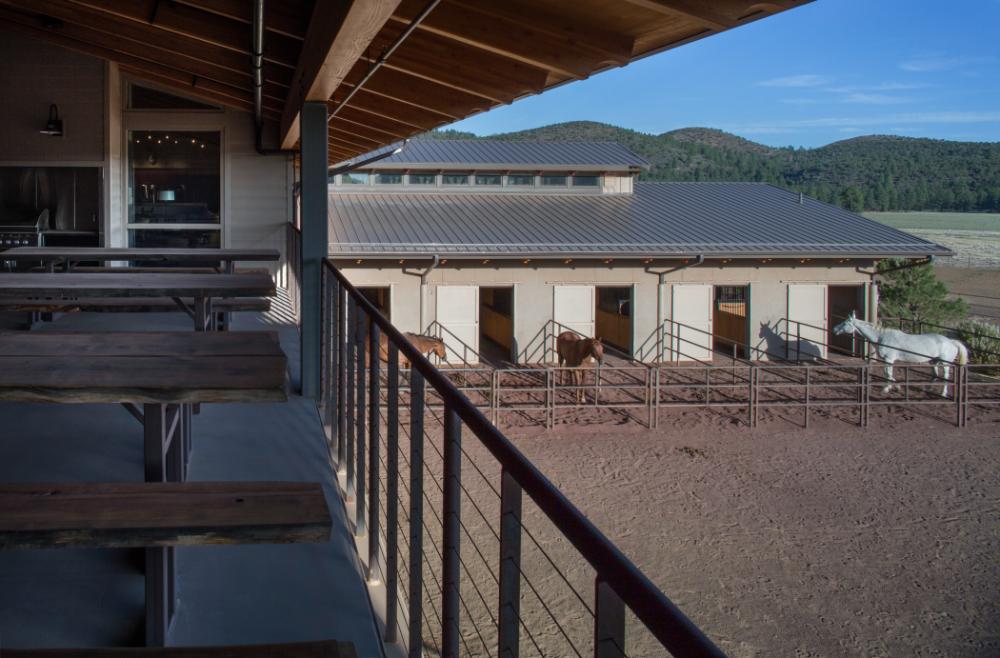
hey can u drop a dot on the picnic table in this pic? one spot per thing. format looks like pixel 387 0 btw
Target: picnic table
pixel 157 376
pixel 201 289
pixel 68 257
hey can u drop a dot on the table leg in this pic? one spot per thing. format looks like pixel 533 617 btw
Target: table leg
pixel 163 429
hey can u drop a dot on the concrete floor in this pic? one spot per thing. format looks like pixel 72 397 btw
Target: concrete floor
pixel 228 594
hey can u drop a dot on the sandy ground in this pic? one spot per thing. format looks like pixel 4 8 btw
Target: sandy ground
pixel 777 541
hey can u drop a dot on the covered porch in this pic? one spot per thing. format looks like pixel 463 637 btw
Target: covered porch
pixel 258 101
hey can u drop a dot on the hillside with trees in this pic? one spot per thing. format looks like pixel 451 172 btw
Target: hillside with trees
pixel 876 172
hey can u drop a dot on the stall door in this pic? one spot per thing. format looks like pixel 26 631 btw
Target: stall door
pixel 574 307
pixel 458 313
pixel 691 330
pixel 806 331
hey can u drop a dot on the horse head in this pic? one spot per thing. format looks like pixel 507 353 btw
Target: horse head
pixel 597 349
pixel 848 326
pixel 440 350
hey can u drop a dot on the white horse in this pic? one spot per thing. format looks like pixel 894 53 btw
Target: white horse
pixel 893 345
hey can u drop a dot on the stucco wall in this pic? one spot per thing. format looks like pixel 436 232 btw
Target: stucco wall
pixel 533 290
pixel 34 75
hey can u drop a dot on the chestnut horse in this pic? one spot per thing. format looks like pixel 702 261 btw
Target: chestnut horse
pixel 426 345
pixel 574 351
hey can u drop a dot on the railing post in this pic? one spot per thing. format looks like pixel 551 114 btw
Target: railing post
pixel 351 325
pixel 609 622
pixel 333 400
pixel 415 609
pixel 510 567
pixel 450 541
pixel 392 494
pixel 341 375
pixel 374 420
pixel 360 522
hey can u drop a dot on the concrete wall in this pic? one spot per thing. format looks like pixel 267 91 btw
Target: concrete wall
pixel 533 290
pixel 34 75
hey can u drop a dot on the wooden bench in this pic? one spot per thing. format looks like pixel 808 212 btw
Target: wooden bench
pixel 322 649
pixel 128 514
pixel 128 305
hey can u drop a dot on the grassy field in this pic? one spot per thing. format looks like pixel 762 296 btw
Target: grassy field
pixel 955 221
pixel 974 237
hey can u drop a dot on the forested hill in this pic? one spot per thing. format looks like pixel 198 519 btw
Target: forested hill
pixel 863 173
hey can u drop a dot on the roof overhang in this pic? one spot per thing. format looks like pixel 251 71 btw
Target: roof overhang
pixel 460 58
pixel 345 252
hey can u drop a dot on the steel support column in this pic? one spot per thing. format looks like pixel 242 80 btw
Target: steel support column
pixel 314 239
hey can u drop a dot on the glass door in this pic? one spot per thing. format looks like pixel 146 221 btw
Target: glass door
pixel 174 188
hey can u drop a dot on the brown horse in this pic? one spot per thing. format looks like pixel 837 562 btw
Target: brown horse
pixel 426 345
pixel 574 351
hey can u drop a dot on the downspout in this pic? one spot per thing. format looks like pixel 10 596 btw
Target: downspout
pixel 662 281
pixel 257 69
pixel 873 282
pixel 423 274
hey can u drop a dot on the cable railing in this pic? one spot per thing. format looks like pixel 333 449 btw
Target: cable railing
pixel 353 397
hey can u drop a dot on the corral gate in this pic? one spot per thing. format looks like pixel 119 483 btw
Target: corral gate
pixel 691 308
pixel 575 307
pixel 458 312
pixel 806 305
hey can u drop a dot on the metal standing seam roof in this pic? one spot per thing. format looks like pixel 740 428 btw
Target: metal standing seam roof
pixel 657 220
pixel 483 153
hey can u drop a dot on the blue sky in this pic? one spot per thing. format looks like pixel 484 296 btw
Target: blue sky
pixel 830 70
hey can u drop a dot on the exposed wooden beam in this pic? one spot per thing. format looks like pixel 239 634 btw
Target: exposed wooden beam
pixel 382 108
pixel 281 16
pixel 351 143
pixel 339 32
pixel 165 41
pixel 347 131
pixel 518 40
pixel 197 24
pixel 369 124
pixel 199 87
pixel 117 48
pixel 418 92
pixel 562 25
pixel 700 12
pixel 468 70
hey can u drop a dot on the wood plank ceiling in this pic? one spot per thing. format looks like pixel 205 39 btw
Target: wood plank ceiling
pixel 465 57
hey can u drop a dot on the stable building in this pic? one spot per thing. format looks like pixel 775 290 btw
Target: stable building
pixel 494 240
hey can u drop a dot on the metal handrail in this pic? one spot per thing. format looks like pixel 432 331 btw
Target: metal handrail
pixel 661 617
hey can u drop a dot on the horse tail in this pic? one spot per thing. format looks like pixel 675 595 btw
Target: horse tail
pixel 963 353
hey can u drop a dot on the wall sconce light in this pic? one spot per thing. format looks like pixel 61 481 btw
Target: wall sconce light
pixel 54 126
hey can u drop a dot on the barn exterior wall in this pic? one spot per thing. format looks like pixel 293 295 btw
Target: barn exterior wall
pixel 533 291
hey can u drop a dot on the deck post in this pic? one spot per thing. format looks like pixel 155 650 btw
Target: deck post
pixel 374 419
pixel 510 567
pixel 342 379
pixel 609 622
pixel 314 248
pixel 392 495
pixel 351 309
pixel 360 448
pixel 451 535
pixel 416 589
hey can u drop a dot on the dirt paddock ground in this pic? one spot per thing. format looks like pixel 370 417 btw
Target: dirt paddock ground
pixel 780 541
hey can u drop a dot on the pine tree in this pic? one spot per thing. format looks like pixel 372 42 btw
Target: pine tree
pixel 916 294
